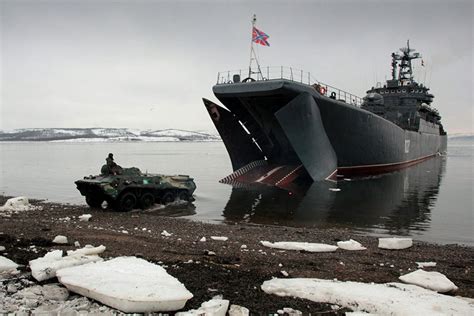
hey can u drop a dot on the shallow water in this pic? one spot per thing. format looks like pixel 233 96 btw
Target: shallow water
pixel 432 201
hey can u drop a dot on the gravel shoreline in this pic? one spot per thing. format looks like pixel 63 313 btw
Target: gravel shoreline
pixel 234 272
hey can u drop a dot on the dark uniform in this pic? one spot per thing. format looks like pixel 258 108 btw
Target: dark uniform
pixel 110 167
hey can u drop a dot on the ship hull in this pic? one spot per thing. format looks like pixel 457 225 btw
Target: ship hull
pixel 291 124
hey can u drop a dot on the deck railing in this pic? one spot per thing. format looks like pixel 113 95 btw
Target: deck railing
pixel 288 73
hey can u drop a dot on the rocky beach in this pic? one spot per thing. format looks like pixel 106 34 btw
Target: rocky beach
pixel 233 268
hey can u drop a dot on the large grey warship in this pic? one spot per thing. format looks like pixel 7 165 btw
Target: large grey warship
pixel 280 125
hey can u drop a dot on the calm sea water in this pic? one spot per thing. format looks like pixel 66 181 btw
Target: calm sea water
pixel 432 201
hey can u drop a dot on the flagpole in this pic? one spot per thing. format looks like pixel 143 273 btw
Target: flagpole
pixel 254 20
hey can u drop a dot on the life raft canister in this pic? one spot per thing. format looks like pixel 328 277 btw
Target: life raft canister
pixel 322 90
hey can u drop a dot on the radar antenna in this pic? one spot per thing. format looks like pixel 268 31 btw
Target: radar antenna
pixel 405 74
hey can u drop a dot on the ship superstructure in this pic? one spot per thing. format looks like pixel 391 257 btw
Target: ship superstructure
pixel 402 100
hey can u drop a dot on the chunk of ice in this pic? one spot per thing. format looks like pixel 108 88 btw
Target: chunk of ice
pixel 85 217
pixel 395 243
pixel 20 203
pixel 306 246
pixel 7 266
pixel 165 233
pixel 203 239
pixel 350 245
pixel 219 238
pixel 44 268
pixel 426 264
pixel 431 280
pixel 60 239
pixel 237 310
pixel 129 284
pixel 214 307
pixel 87 250
pixel 380 299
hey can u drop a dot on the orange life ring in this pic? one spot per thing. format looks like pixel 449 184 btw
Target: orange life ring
pixel 322 90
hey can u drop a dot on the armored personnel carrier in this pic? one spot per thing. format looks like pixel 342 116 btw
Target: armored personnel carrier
pixel 130 188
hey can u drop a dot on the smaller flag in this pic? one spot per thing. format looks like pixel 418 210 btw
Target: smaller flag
pixel 422 63
pixel 259 37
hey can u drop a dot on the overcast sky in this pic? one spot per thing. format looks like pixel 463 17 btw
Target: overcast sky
pixel 147 64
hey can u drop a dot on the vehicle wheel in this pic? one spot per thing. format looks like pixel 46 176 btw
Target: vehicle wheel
pixel 94 201
pixel 183 196
pixel 167 198
pixel 147 200
pixel 127 202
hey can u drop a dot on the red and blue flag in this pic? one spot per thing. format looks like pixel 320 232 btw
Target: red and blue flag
pixel 259 37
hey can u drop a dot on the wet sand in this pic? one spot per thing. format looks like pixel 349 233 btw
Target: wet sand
pixel 234 272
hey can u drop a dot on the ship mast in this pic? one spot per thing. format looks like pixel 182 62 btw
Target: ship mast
pixel 405 74
pixel 253 55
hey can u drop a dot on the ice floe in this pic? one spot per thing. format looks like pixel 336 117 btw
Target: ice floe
pixel 203 239
pixel 350 245
pixel 395 243
pixel 7 267
pixel 214 307
pixel 110 282
pixel 431 280
pixel 306 246
pixel 44 268
pixel 422 265
pixel 383 299
pixel 219 238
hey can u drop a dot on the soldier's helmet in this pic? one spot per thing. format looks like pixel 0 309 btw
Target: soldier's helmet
pixel 111 156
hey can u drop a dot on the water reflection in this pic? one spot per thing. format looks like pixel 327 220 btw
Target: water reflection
pixel 397 203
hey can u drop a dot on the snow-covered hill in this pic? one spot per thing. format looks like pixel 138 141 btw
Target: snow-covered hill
pixel 461 137
pixel 103 134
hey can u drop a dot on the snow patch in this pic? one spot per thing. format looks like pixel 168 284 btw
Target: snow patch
pixel 383 299
pixel 306 246
pixel 395 243
pixel 350 245
pixel 110 282
pixel 431 280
